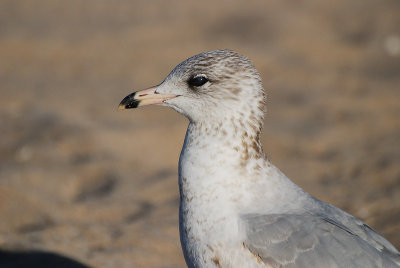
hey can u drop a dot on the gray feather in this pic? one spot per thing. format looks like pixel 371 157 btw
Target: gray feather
pixel 290 240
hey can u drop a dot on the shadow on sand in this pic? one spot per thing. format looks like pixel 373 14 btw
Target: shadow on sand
pixel 23 259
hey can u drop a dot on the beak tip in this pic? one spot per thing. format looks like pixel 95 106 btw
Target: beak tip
pixel 129 102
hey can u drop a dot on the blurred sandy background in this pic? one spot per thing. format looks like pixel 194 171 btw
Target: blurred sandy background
pixel 83 184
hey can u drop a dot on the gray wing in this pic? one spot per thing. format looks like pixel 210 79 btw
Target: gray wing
pixel 287 240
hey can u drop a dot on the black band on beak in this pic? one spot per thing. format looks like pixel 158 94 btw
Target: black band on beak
pixel 129 102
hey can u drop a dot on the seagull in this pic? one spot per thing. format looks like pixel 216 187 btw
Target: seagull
pixel 236 208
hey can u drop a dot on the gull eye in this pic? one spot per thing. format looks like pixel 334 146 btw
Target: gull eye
pixel 197 81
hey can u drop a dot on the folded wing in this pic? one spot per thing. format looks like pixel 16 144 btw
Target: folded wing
pixel 289 240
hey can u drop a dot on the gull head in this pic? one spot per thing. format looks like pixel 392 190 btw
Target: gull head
pixel 217 85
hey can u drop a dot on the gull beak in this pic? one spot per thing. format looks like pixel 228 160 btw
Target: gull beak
pixel 144 97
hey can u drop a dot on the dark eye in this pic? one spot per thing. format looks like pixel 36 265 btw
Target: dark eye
pixel 197 81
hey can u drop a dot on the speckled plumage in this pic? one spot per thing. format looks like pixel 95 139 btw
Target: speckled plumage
pixel 236 208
